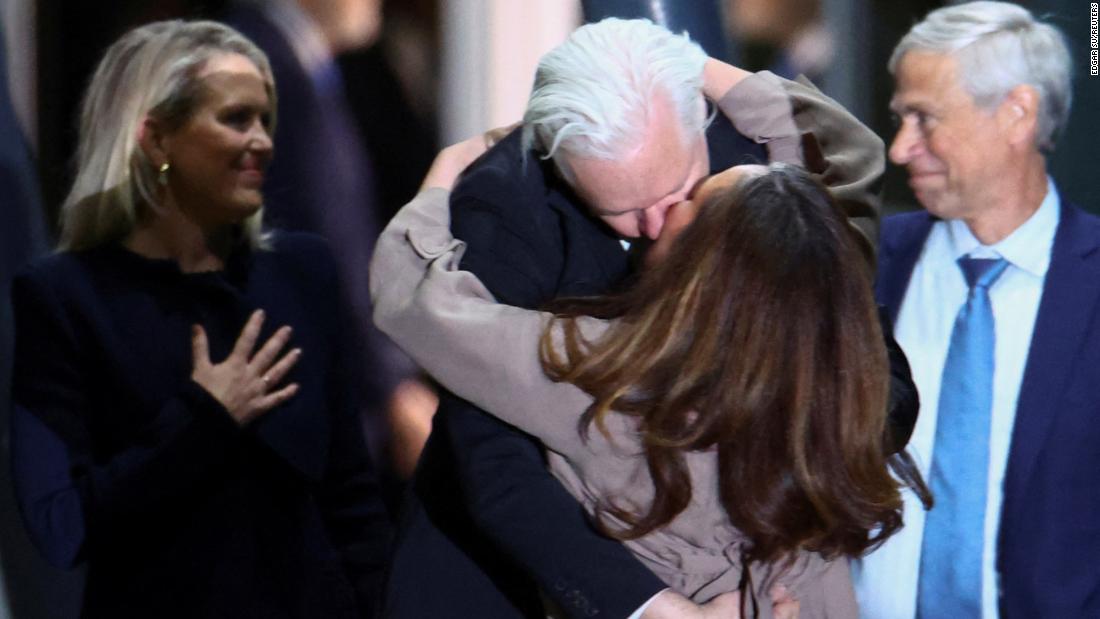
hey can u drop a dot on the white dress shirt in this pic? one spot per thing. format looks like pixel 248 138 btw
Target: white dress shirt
pixel 886 580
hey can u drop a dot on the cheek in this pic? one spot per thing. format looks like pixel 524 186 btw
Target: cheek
pixel 679 216
pixel 939 148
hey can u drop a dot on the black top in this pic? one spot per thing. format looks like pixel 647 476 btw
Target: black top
pixel 124 462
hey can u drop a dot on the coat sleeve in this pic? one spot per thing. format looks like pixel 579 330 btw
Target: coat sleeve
pixel 800 125
pixel 448 321
pixel 70 496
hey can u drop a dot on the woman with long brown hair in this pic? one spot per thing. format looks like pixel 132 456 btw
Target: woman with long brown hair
pixel 723 416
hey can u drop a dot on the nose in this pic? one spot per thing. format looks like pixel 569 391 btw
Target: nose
pixel 653 219
pixel 260 140
pixel 907 141
pixel 261 145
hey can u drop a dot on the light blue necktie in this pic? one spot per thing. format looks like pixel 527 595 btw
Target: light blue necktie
pixel 951 554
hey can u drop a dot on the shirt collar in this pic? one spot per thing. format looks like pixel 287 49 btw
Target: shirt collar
pixel 1027 248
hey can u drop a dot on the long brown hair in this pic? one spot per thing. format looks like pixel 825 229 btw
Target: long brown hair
pixel 758 337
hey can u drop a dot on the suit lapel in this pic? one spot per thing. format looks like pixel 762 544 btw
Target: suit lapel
pixel 903 239
pixel 1069 303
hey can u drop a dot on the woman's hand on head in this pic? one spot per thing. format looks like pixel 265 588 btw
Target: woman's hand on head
pixel 244 382
pixel 451 161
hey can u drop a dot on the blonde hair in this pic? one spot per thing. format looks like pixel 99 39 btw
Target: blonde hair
pixel 151 71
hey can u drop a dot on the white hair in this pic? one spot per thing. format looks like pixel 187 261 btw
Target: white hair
pixel 152 71
pixel 999 46
pixel 593 93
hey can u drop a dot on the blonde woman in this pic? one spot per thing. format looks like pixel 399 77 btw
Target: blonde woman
pixel 183 420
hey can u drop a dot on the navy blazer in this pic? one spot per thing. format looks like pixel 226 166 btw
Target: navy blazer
pixel 1048 549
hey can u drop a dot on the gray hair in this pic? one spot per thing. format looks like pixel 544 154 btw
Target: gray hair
pixel 999 46
pixel 152 71
pixel 592 94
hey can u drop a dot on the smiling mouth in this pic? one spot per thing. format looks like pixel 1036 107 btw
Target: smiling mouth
pixel 252 176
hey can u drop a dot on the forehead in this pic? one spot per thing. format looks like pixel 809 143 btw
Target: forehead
pixel 725 180
pixel 229 62
pixel 927 78
pixel 664 162
pixel 233 76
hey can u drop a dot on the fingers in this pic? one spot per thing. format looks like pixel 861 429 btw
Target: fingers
pixel 266 355
pixel 784 605
pixel 247 340
pixel 786 610
pixel 497 134
pixel 275 398
pixel 451 161
pixel 278 371
pixel 243 386
pixel 200 348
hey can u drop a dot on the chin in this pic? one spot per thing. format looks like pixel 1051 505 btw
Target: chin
pixel 238 213
pixel 251 210
pixel 944 209
pixel 249 204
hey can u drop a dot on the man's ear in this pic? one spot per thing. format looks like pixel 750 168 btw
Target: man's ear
pixel 153 141
pixel 1019 113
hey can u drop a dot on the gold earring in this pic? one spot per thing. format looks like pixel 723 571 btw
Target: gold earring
pixel 162 174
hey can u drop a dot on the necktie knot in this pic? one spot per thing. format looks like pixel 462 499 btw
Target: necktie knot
pixel 982 272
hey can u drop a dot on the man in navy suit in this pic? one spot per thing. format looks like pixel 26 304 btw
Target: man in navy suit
pixel 982 90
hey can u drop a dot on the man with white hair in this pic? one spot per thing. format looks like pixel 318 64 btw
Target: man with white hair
pixel 994 292
pixel 613 136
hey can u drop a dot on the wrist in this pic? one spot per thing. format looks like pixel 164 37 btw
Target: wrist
pixel 719 77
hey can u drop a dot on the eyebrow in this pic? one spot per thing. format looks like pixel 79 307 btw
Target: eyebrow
pixel 903 107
